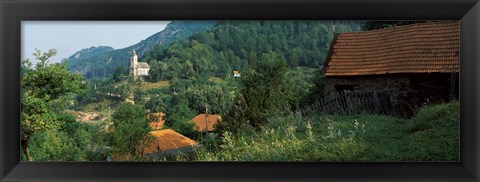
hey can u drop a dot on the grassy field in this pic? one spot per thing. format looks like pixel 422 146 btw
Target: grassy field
pixel 216 79
pixel 160 84
pixel 432 135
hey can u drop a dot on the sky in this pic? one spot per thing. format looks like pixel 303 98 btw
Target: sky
pixel 69 37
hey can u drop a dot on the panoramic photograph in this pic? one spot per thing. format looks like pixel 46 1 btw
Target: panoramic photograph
pixel 296 90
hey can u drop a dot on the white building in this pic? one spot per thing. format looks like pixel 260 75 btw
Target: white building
pixel 236 74
pixel 137 68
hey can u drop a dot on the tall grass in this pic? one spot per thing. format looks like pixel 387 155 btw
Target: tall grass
pixel 431 135
pixel 434 133
pixel 291 138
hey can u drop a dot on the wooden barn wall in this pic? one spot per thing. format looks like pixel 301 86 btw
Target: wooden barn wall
pixel 406 91
pixel 396 84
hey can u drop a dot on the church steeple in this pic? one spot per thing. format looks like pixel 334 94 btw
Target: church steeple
pixel 137 69
pixel 133 69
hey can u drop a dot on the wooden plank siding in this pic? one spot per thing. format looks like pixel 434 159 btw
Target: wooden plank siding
pixel 371 102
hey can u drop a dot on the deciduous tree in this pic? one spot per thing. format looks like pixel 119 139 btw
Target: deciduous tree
pixel 266 89
pixel 41 86
pixel 130 128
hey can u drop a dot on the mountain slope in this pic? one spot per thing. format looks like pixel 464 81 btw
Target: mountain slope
pixel 235 45
pixel 102 61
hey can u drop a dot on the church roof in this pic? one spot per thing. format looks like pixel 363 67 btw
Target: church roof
pixel 143 65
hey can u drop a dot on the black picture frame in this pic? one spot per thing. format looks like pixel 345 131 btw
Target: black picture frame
pixel 12 12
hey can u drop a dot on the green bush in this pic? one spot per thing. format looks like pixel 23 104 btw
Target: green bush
pixel 436 116
pixel 435 133
pixel 130 127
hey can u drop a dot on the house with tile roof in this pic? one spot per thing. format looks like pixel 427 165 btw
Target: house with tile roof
pixel 236 74
pixel 156 120
pixel 167 142
pixel 159 143
pixel 403 59
pixel 203 123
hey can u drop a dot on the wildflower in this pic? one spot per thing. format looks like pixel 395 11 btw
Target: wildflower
pixel 308 125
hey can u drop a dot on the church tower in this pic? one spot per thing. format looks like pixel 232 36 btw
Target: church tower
pixel 133 69
pixel 137 69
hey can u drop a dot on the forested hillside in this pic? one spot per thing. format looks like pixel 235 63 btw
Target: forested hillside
pixel 102 61
pixel 233 45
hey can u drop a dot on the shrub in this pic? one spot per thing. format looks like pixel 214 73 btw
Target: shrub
pixel 130 127
pixel 434 133
pixel 436 116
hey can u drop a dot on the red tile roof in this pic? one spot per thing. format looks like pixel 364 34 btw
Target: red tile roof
pixel 167 139
pixel 159 120
pixel 121 157
pixel 200 120
pixel 431 47
pixel 143 65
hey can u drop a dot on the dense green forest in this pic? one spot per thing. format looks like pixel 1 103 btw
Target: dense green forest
pixel 235 45
pixel 374 25
pixel 102 61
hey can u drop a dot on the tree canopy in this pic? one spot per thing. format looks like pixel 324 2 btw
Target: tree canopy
pixel 373 25
pixel 235 45
pixel 130 128
pixel 45 88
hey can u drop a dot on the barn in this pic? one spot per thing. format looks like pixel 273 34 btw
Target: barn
pixel 410 61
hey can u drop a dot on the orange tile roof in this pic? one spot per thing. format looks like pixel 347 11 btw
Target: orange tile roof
pixel 167 139
pixel 159 122
pixel 121 157
pixel 431 47
pixel 200 121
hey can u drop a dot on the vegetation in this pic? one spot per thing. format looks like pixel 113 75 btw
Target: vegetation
pixel 435 133
pixel 130 127
pixel 235 45
pixel 44 90
pixel 160 84
pixel 265 91
pixel 178 117
pixel 345 138
pixel 373 25
pixel 72 141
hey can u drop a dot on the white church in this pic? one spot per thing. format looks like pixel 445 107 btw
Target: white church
pixel 137 68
